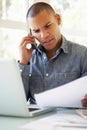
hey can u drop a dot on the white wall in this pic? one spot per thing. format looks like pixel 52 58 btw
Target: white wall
pixel 47 1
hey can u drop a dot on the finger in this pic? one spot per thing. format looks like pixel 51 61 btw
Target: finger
pixel 27 39
pixel 86 96
pixel 84 102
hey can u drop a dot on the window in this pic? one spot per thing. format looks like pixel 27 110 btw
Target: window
pixel 12 26
pixel 74 20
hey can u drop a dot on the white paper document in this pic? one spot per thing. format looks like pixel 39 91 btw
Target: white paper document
pixel 68 95
pixel 56 121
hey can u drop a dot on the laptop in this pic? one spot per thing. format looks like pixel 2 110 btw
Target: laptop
pixel 12 95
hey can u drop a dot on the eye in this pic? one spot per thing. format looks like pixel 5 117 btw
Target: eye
pixel 36 31
pixel 48 25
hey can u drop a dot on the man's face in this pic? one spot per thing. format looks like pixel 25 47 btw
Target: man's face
pixel 45 27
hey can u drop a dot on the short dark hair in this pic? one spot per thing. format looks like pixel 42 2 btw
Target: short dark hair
pixel 36 8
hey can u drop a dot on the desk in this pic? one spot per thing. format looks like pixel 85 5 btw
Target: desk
pixel 14 123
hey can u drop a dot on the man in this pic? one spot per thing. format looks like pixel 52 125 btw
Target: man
pixel 56 61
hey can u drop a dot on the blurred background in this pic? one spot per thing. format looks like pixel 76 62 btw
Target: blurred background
pixel 13 22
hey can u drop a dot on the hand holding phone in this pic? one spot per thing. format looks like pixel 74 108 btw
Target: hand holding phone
pixel 34 46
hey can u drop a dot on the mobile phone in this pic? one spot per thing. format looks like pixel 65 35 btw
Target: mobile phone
pixel 34 46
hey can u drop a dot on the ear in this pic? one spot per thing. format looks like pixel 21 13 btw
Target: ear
pixel 58 18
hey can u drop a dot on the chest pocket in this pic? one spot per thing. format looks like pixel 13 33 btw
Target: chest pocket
pixel 61 78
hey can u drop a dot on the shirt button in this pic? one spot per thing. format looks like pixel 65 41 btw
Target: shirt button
pixel 47 74
pixel 44 57
pixel 29 75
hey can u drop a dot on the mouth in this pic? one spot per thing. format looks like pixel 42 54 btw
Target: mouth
pixel 48 42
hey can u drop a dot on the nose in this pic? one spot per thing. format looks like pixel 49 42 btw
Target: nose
pixel 44 34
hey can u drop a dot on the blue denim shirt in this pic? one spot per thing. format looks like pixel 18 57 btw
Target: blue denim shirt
pixel 68 64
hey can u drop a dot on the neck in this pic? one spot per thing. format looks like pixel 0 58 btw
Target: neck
pixel 51 53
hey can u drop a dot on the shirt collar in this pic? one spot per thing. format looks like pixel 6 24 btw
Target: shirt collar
pixel 64 45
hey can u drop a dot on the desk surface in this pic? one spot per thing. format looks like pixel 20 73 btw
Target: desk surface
pixel 15 123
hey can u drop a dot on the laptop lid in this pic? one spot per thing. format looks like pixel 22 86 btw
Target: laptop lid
pixel 12 95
